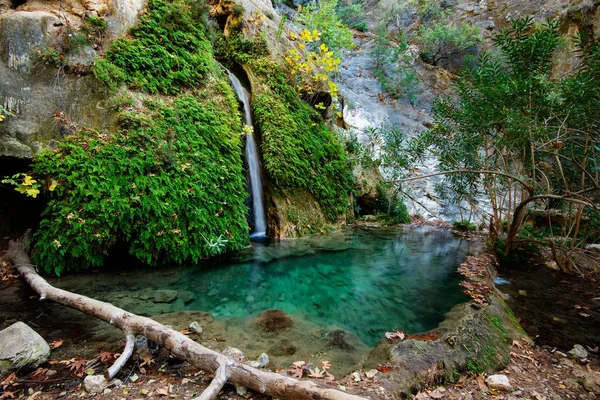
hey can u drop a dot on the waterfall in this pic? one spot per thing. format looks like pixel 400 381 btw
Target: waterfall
pixel 260 220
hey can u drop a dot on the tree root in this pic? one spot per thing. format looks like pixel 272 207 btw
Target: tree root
pixel 224 368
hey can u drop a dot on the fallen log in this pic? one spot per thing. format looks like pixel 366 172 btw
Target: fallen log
pixel 225 369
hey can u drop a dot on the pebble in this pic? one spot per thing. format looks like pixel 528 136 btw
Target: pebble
pixel 196 328
pixel 498 382
pixel 578 352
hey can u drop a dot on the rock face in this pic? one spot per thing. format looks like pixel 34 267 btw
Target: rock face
pixel 21 346
pixel 47 102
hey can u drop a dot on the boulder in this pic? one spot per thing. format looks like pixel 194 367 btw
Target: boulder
pixel 21 346
pixel 274 320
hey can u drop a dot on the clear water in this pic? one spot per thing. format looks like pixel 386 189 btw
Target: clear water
pixel 367 281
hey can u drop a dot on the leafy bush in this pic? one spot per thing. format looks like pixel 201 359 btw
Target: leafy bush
pixel 312 66
pixel 352 13
pixel 170 184
pixel 323 18
pixel 391 64
pixel 441 40
pixel 464 225
pixel 168 52
pixel 390 204
pixel 298 148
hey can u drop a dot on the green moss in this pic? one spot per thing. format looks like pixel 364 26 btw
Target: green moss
pixel 514 321
pixel 298 148
pixel 474 367
pixel 170 183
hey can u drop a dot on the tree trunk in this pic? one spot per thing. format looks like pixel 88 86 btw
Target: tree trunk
pixel 180 346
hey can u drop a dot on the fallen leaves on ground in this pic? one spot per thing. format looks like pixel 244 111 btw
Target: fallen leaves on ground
pixel 477 291
pixel 9 380
pixel 55 344
pixel 40 374
pixel 385 368
pixel 106 357
pixel 77 366
pixel 397 334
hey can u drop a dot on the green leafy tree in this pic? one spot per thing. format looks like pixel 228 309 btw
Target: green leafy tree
pixel 323 17
pixel 392 65
pixel 523 137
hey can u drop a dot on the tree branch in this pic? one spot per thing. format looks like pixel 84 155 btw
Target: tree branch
pixel 216 385
pixel 466 171
pixel 178 344
pixel 125 355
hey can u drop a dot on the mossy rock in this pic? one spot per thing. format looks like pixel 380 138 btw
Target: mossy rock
pixel 471 338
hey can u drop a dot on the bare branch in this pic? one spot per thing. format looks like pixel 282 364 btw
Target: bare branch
pixel 467 171
pixel 216 385
pixel 125 355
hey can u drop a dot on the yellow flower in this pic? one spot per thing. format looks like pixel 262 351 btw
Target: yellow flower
pixel 53 185
pixel 29 181
pixel 32 192
pixel 2 117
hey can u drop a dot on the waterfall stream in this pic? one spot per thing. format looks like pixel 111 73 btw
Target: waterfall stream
pixel 260 220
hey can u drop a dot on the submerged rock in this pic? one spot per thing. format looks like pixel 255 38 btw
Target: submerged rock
pixel 338 339
pixel 274 320
pixel 283 348
pixel 21 346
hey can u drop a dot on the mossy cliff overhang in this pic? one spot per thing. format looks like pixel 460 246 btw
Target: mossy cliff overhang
pixel 474 337
pixel 45 101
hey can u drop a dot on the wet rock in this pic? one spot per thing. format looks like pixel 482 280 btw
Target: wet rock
pixel 283 348
pixel 260 362
pixel 186 296
pixel 234 353
pixel 578 352
pixel 21 346
pixel 196 328
pixel 591 382
pixel 338 339
pixel 274 320
pixel 498 382
pixel 165 296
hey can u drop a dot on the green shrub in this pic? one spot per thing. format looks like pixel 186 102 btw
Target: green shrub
pixel 168 52
pixel 464 226
pixel 323 18
pixel 352 13
pixel 390 205
pixel 392 65
pixel 442 40
pixel 171 186
pixel 298 148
